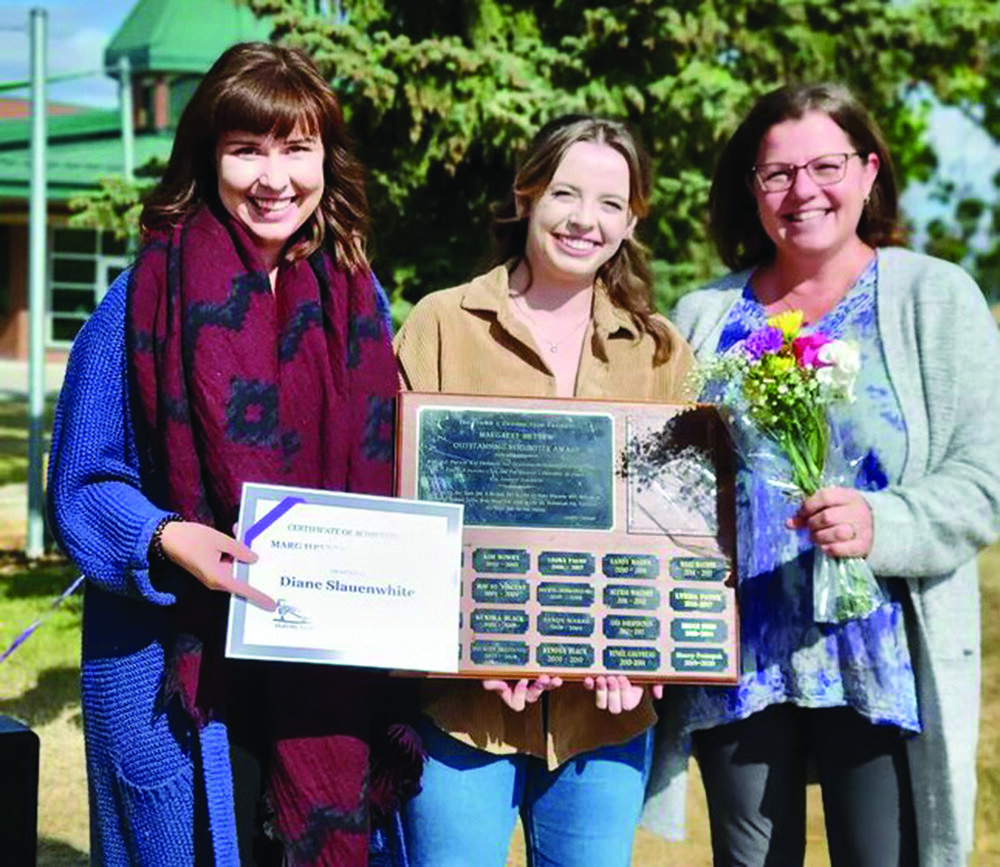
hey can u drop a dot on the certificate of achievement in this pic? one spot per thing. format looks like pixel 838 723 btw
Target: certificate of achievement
pixel 359 580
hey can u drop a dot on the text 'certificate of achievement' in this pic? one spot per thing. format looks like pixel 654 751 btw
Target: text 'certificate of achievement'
pixel 359 580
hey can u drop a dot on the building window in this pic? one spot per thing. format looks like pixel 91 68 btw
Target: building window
pixel 5 300
pixel 143 94
pixel 82 265
pixel 182 88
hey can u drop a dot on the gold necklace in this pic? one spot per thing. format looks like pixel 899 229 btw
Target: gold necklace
pixel 783 305
pixel 553 345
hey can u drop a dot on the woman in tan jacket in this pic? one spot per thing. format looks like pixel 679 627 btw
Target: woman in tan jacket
pixel 567 312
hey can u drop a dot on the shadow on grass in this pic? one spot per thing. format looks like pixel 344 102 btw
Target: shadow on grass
pixel 57 689
pixel 21 578
pixel 56 853
pixel 14 435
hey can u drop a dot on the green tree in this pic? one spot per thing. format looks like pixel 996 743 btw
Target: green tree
pixel 959 237
pixel 955 237
pixel 114 207
pixel 116 204
pixel 442 94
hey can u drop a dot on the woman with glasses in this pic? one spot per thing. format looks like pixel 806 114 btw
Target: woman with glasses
pixel 884 708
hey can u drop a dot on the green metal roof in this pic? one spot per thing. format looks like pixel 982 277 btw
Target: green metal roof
pixel 182 35
pixel 88 122
pixel 81 149
pixel 172 36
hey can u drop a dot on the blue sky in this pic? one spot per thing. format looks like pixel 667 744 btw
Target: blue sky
pixel 78 33
pixel 967 156
pixel 80 29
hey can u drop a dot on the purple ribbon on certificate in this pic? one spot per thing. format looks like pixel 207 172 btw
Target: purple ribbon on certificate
pixel 278 511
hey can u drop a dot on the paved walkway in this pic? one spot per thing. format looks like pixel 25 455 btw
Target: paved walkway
pixel 14 378
pixel 14 497
pixel 13 516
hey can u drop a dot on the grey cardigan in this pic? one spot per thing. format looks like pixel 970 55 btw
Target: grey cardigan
pixel 942 351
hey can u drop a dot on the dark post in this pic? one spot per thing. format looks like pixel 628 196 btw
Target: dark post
pixel 18 793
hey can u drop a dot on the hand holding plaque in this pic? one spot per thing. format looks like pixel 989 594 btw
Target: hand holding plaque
pixel 523 692
pixel 615 693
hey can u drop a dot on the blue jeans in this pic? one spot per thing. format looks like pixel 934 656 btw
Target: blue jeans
pixel 581 814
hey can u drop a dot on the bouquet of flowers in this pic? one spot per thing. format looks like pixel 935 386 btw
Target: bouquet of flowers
pixel 782 383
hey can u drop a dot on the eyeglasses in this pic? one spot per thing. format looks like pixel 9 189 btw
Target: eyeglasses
pixel 824 171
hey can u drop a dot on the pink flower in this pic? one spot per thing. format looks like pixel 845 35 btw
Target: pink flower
pixel 806 348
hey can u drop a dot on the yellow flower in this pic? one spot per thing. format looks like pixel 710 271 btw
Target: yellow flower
pixel 778 365
pixel 789 323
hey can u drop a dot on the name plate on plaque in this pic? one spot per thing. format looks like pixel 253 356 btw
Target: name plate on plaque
pixel 598 535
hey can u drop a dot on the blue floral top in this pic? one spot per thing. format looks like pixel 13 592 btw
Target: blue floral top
pixel 786 656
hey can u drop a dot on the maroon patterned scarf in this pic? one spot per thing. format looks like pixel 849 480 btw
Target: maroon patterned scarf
pixel 296 386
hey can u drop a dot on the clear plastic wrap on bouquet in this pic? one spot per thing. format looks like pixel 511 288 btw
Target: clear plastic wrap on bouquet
pixel 844 588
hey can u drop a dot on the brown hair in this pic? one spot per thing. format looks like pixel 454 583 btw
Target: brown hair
pixel 627 275
pixel 735 225
pixel 265 89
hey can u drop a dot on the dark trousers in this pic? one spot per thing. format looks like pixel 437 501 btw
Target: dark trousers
pixel 256 849
pixel 755 774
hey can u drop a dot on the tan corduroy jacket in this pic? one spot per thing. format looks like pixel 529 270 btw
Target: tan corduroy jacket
pixel 467 340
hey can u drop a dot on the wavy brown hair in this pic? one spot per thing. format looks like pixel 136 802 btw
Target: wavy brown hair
pixel 266 89
pixel 627 275
pixel 735 225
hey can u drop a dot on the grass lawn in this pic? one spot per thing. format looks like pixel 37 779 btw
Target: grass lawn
pixel 14 438
pixel 38 685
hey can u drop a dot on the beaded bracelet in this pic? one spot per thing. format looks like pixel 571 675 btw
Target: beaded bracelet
pixel 157 556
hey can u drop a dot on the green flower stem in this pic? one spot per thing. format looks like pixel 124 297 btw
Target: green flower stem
pixel 807 467
pixel 854 593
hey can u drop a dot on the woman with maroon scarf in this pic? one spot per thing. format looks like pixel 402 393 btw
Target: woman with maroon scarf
pixel 248 342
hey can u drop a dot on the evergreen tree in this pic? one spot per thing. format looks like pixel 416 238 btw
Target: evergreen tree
pixel 442 94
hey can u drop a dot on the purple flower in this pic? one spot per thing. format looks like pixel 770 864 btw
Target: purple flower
pixel 767 339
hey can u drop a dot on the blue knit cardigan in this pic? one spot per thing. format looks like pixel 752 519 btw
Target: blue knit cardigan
pixel 146 805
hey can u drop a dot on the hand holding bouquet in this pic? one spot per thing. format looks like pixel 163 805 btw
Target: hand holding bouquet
pixel 782 382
